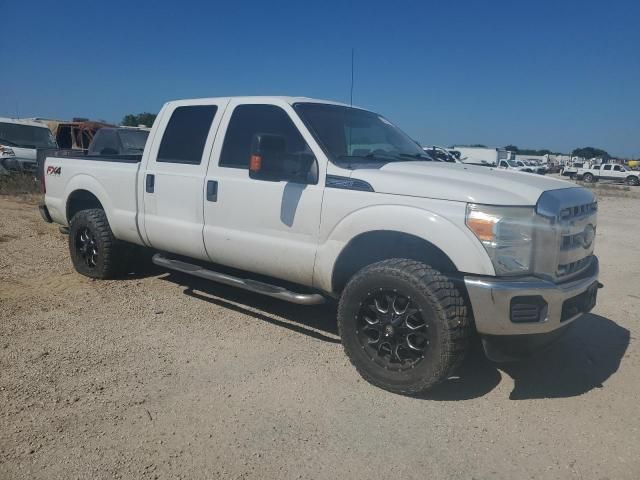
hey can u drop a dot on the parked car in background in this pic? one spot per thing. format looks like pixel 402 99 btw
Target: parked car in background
pixel 119 141
pixel 532 166
pixel 515 165
pixel 19 141
pixel 609 171
pixel 553 168
pixel 571 171
pixel 307 200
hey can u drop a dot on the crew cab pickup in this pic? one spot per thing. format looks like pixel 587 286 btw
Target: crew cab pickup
pixel 306 201
pixel 609 171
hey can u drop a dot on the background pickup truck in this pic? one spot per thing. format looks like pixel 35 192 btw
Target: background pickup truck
pixel 118 141
pixel 609 171
pixel 518 166
pixel 306 201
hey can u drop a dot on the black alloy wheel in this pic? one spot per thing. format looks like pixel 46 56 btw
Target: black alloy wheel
pixel 87 247
pixel 392 330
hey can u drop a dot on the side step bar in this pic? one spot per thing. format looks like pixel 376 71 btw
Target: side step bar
pixel 274 291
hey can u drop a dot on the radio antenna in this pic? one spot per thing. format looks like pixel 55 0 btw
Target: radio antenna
pixel 351 95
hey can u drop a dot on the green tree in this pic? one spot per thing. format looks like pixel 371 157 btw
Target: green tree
pixel 511 148
pixel 591 152
pixel 145 118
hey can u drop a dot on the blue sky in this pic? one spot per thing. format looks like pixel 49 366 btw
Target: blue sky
pixel 555 74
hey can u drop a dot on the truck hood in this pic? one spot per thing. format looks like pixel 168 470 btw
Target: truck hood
pixel 459 182
pixel 24 153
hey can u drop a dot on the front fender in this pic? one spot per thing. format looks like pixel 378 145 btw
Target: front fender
pixel 450 236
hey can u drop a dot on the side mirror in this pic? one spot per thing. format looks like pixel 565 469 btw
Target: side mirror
pixel 267 157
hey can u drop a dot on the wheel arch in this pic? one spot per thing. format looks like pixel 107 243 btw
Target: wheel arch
pixel 377 245
pixel 381 232
pixel 81 200
pixel 84 191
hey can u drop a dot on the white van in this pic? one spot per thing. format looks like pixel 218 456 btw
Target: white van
pixel 19 141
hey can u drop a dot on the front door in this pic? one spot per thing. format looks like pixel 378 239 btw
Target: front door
pixel 174 179
pixel 268 227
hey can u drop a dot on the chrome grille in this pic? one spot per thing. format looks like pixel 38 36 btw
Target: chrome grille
pixel 567 232
pixel 573 267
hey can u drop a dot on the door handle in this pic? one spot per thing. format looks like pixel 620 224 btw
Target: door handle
pixel 150 183
pixel 212 191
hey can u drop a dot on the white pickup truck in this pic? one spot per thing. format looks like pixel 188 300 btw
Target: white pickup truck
pixel 609 171
pixel 306 200
pixel 520 166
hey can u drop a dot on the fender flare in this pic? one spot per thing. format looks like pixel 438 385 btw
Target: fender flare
pixel 457 242
pixel 85 182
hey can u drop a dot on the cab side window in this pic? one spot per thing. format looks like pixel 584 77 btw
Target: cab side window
pixel 248 120
pixel 186 133
pixel 607 167
pixel 616 168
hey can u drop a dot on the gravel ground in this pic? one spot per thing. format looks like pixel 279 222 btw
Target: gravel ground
pixel 164 376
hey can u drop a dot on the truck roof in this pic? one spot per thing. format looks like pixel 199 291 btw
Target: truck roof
pixel 23 121
pixel 249 99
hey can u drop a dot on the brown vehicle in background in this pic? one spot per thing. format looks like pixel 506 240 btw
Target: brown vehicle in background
pixel 76 134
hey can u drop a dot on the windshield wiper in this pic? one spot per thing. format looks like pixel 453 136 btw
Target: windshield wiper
pixel 417 156
pixel 370 156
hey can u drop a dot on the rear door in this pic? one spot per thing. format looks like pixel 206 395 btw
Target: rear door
pixel 618 172
pixel 267 227
pixel 174 177
pixel 606 171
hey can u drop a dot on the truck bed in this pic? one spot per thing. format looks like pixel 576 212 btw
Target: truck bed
pixel 111 179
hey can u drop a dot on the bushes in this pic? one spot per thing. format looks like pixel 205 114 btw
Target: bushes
pixel 19 184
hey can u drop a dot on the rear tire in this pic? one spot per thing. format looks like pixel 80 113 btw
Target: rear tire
pixel 588 178
pixel 392 346
pixel 94 251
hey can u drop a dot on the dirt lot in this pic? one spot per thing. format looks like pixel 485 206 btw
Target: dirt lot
pixel 162 376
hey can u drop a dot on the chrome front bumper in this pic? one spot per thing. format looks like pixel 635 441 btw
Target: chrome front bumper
pixel 491 301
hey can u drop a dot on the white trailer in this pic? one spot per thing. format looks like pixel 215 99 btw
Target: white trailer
pixel 483 155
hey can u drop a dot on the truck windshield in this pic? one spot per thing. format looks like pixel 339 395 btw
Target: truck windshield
pixel 350 135
pixel 26 136
pixel 133 139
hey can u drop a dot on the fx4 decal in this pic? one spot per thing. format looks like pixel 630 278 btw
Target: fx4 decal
pixel 51 170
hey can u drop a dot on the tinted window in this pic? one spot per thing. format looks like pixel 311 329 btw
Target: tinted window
pixel 133 140
pixel 617 168
pixel 246 121
pixel 607 167
pixel 186 133
pixel 105 142
pixel 26 136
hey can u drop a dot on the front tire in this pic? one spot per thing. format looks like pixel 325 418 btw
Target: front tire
pixel 632 180
pixel 403 325
pixel 94 251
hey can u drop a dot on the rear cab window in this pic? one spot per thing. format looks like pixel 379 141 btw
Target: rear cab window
pixel 186 134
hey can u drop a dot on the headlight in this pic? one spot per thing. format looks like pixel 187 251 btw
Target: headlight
pixel 506 234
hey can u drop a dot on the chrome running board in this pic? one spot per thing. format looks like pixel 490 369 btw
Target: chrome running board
pixel 255 286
